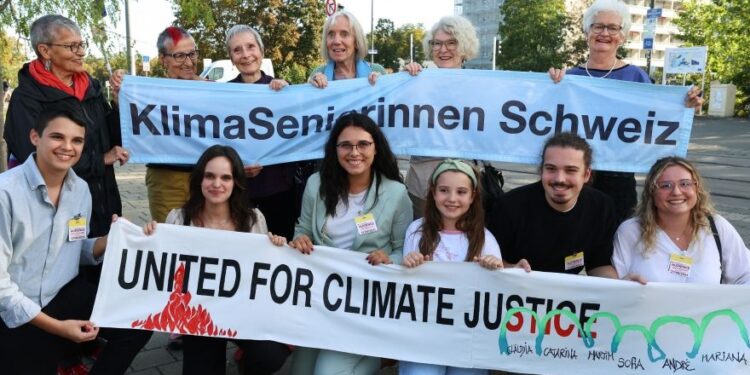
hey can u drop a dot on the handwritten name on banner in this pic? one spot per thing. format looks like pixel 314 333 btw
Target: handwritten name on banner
pixel 473 114
pixel 228 284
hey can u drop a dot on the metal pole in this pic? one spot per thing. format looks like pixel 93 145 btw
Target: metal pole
pixel 648 52
pixel 494 52
pixel 411 47
pixel 131 60
pixel 372 31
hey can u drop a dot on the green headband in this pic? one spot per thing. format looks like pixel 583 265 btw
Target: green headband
pixel 454 165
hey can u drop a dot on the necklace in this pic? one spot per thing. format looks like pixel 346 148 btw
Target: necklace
pixel 586 66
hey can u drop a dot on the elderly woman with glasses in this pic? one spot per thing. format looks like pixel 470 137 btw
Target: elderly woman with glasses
pixel 676 236
pixel 57 79
pixel 606 24
pixel 449 43
pixel 344 48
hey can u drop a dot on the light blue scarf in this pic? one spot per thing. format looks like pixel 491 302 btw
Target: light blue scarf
pixel 363 70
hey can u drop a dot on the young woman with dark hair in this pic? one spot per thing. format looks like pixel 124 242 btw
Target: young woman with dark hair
pixel 357 202
pixel 218 201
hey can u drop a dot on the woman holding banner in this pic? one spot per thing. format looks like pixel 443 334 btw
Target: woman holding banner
pixel 218 201
pixel 356 202
pixel 57 79
pixel 271 188
pixel 676 236
pixel 449 43
pixel 606 24
pixel 344 48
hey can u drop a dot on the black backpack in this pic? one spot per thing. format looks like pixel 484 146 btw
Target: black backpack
pixel 492 182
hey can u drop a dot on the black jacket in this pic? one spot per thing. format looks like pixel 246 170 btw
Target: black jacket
pixel 102 133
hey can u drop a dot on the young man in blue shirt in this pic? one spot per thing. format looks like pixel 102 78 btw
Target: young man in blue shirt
pixel 44 303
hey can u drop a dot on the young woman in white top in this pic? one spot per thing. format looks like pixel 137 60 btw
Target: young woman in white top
pixel 218 201
pixel 670 238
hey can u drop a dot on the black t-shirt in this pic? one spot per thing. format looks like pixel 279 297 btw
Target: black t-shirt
pixel 526 226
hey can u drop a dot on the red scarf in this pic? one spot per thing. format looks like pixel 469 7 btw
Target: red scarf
pixel 46 78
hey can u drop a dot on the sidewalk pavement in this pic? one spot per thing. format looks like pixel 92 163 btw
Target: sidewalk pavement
pixel 720 146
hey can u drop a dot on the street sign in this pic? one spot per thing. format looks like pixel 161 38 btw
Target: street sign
pixel 146 63
pixel 330 7
pixel 653 13
pixel 372 51
pixel 648 43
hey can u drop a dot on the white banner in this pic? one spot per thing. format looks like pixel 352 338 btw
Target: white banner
pixel 472 114
pixel 239 285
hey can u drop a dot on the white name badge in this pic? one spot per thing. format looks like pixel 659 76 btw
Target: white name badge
pixel 366 224
pixel 574 261
pixel 680 265
pixel 77 229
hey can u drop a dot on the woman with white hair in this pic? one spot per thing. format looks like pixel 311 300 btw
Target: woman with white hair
pixel 606 24
pixel 449 44
pixel 344 49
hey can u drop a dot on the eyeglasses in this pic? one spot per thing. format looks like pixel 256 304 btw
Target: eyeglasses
pixel 667 186
pixel 73 47
pixel 450 44
pixel 181 56
pixel 598 28
pixel 361 146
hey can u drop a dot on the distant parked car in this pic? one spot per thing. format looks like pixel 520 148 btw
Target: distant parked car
pixel 224 70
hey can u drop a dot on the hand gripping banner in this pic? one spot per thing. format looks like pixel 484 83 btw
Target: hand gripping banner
pixel 227 284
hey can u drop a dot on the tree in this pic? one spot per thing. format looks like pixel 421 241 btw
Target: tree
pixel 724 27
pixel 290 29
pixel 393 43
pixel 533 35
pixel 11 58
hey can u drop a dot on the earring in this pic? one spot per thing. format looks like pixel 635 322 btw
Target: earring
pixel 47 65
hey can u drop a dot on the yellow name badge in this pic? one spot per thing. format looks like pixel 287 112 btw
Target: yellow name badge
pixel 366 224
pixel 680 265
pixel 574 261
pixel 77 228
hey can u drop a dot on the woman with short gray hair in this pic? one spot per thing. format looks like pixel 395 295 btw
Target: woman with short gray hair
pixel 449 44
pixel 57 77
pixel 246 51
pixel 344 49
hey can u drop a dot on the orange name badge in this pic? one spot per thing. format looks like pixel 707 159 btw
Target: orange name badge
pixel 77 228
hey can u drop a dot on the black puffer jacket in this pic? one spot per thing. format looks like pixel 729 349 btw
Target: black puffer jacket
pixel 102 133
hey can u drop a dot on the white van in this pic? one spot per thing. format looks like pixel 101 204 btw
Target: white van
pixel 224 70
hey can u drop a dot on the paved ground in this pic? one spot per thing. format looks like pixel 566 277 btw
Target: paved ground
pixel 720 148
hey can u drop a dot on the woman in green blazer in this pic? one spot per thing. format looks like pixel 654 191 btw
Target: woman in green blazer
pixel 358 202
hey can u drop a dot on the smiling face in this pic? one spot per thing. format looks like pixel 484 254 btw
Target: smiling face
pixel 564 173
pixel 447 56
pixel 453 195
pixel 679 200
pixel 340 40
pixel 63 61
pixel 218 182
pixel 356 161
pixel 605 42
pixel 245 53
pixel 184 69
pixel 59 146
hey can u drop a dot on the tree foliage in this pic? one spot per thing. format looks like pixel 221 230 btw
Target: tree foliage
pixel 11 58
pixel 534 34
pixel 724 27
pixel 290 29
pixel 393 43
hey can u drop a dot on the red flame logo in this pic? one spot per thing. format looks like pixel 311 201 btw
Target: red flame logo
pixel 179 317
